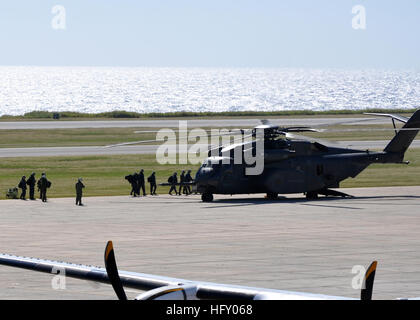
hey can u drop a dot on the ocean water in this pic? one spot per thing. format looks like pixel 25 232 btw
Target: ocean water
pixel 100 89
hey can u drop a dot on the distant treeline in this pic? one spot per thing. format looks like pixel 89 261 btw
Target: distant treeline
pixel 135 115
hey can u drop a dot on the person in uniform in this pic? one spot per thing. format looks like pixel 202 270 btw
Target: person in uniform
pixel 79 191
pixel 44 184
pixel 133 183
pixel 173 180
pixel 152 180
pixel 188 179
pixel 129 178
pixel 22 185
pixel 140 182
pixel 38 184
pixel 181 182
pixel 31 182
pixel 136 187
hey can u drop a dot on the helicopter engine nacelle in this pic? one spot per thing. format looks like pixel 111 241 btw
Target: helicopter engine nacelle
pixel 277 155
pixel 181 292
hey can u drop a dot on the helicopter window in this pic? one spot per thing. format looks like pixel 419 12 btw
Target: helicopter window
pixel 216 165
pixel 320 147
pixel 216 162
pixel 207 163
pixel 210 164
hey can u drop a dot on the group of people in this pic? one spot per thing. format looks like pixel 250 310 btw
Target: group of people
pixel 185 180
pixel 137 182
pixel 43 184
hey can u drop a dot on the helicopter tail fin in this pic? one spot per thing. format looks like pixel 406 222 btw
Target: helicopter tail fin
pixel 405 136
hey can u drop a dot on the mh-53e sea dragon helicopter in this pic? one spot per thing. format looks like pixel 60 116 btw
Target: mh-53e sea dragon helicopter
pixel 292 163
pixel 298 166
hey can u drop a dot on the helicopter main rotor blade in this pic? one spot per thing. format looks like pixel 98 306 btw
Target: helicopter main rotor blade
pixel 232 145
pixel 393 116
pixel 369 129
pixel 168 139
pixel 347 122
pixel 301 137
pixel 155 131
pixel 299 129
pixel 164 140
pixel 138 142
pixel 233 131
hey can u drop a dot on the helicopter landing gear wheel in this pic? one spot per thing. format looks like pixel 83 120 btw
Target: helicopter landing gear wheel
pixel 207 197
pixel 272 196
pixel 311 195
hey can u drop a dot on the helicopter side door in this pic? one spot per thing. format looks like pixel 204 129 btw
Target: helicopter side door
pixel 296 177
pixel 289 176
pixel 316 169
pixel 233 179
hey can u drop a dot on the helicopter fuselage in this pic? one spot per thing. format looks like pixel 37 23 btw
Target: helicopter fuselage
pixel 301 167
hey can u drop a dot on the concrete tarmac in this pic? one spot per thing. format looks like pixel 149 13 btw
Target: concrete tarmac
pixel 290 244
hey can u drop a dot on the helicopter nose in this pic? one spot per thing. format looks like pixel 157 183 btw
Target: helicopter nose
pixel 203 174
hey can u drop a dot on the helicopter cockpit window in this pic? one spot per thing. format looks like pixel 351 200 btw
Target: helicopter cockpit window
pixel 215 162
pixel 206 164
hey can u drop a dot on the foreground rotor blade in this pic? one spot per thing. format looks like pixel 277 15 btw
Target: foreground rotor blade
pixel 367 288
pixel 112 271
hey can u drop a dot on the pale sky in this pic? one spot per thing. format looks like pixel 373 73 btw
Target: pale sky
pixel 212 33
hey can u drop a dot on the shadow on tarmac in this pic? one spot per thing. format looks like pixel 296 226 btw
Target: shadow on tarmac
pixel 320 202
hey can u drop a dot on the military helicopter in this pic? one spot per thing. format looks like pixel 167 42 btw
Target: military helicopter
pixel 292 163
pixel 297 165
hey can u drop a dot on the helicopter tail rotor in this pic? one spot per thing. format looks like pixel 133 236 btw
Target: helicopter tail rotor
pixel 405 136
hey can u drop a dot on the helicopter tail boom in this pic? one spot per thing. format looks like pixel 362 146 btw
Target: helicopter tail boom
pixel 405 136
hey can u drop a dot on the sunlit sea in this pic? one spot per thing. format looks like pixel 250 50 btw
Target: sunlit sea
pixel 100 89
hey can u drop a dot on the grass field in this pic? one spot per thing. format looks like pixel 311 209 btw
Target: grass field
pixel 104 175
